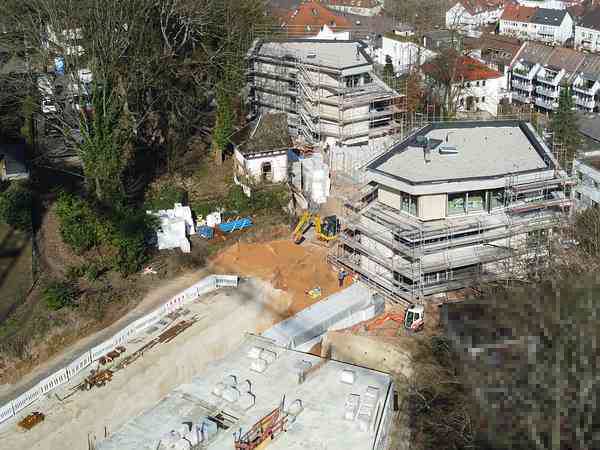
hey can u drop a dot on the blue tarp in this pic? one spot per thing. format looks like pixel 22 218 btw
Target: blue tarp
pixel 236 225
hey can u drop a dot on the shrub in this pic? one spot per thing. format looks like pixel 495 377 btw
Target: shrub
pixel 166 196
pixel 77 222
pixel 16 206
pixel 58 294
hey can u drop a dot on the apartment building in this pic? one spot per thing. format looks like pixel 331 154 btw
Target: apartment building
pixel 453 202
pixel 328 88
pixel 539 72
pixel 553 26
pixel 467 15
pixel 587 31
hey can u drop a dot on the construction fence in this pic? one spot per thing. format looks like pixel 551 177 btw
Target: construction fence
pixel 62 376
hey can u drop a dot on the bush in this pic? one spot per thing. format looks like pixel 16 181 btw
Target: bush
pixel 16 206
pixel 58 294
pixel 117 234
pixel 165 197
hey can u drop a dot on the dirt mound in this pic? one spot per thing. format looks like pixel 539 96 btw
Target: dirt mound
pixel 292 268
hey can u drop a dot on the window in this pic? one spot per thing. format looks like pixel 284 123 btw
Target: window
pixel 483 83
pixel 469 84
pixel 462 101
pixel 578 195
pixel 408 203
pixel 477 83
pixel 482 99
pixel 496 198
pixel 456 203
pixel 475 201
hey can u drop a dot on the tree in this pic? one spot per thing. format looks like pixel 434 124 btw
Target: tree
pixel 388 69
pixel 564 127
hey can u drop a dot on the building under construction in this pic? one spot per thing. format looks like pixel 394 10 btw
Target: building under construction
pixel 327 87
pixel 452 203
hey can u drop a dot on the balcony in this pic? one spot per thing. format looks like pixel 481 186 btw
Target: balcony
pixel 586 87
pixel 548 92
pixel 585 102
pixel 521 97
pixel 549 77
pixel 526 73
pixel 522 85
pixel 546 104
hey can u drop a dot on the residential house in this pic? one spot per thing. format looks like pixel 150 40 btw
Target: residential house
pixel 449 204
pixel 587 31
pixel 358 7
pixel 261 150
pixel 467 85
pixel 12 162
pixel 496 52
pixel 553 26
pixel 405 51
pixel 540 72
pixel 311 18
pixel 467 15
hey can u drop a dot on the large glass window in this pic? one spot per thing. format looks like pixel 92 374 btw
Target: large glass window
pixel 408 203
pixel 476 201
pixel 456 203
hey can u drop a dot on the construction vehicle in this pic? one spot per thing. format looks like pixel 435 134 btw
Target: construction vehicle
pixel 413 319
pixel 325 230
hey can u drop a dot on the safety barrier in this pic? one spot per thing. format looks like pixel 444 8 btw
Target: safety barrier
pixel 63 375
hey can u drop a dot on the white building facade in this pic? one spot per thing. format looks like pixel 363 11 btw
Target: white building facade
pixel 366 8
pixel 468 15
pixel 587 32
pixel 405 53
pixel 539 24
pixel 586 193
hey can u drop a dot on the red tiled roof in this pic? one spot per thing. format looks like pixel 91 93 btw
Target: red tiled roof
pixel 475 6
pixel 458 68
pixel 517 13
pixel 311 16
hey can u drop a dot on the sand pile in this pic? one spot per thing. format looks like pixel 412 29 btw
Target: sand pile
pixel 292 268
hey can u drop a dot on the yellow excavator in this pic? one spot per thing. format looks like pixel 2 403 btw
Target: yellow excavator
pixel 325 230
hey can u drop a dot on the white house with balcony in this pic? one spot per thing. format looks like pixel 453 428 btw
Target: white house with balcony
pixel 587 32
pixel 468 15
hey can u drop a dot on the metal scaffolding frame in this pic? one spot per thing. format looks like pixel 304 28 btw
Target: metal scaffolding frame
pixel 517 236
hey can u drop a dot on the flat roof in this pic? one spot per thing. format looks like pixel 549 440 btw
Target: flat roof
pixel 335 54
pixel 485 149
pixel 323 396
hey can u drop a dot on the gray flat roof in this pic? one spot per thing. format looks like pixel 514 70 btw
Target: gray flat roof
pixel 321 424
pixel 487 149
pixel 335 54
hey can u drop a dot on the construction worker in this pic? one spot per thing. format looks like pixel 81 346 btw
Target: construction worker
pixel 341 275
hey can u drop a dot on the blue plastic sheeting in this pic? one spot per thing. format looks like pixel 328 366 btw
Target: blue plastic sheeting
pixel 235 225
pixel 206 232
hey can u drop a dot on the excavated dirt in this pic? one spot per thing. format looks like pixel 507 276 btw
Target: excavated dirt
pixel 294 269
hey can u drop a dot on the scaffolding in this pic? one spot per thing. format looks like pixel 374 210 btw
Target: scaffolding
pixel 408 260
pixel 320 100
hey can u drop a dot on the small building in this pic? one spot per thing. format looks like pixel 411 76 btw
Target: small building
pixel 586 193
pixel 467 15
pixel 12 162
pixel 261 150
pixel 319 403
pixel 472 85
pixel 553 26
pixel 587 31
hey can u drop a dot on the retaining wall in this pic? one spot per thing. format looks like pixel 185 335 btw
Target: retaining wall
pixel 65 374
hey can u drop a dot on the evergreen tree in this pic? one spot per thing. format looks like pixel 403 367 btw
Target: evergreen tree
pixel 564 127
pixel 388 69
